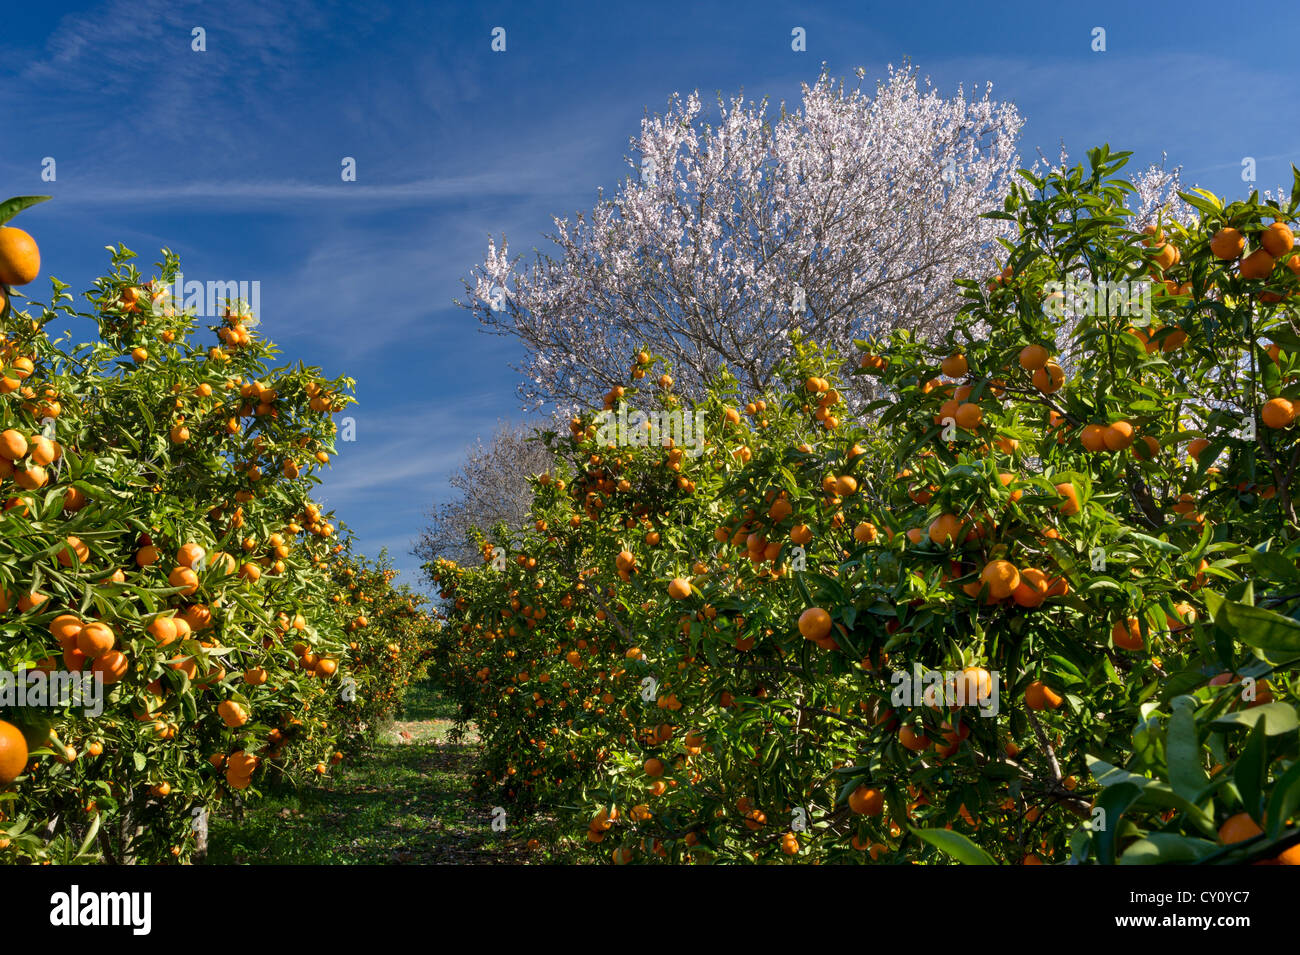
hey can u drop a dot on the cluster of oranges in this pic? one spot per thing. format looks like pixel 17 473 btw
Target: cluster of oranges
pixel 733 665
pixel 147 542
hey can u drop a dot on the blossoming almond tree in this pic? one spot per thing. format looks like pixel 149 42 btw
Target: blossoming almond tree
pixel 848 216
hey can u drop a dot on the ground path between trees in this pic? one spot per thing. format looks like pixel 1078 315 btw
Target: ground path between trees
pixel 407 802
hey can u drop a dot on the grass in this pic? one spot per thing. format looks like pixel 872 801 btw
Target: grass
pixel 409 801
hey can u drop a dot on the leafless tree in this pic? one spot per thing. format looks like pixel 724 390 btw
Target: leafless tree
pixel 491 486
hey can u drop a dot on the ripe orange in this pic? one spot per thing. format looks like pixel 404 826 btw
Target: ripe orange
pixel 1257 265
pixel 1277 413
pixel 864 533
pixel 13 753
pixel 815 624
pixel 946 529
pixel 13 445
pixel 64 628
pixel 1001 577
pixel 1227 244
pixel 1093 438
pixel 954 366
pixel 865 801
pixel 973 684
pixel 95 639
pixel 1033 357
pixel 968 416
pixel 1049 378
pixel 1039 696
pixel 679 588
pixel 1070 506
pixel 232 714
pixel 20 259
pixel 112 666
pixel 1032 589
pixel 1118 436
pixel 1127 634
pixel 654 767
pixel 1238 828
pixel 1196 447
pixel 916 742
pixel 75 547
pixel 184 578
pixel 1277 240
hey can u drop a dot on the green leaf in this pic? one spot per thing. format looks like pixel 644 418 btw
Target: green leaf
pixel 1183 751
pixel 11 207
pixel 954 844
pixel 1155 793
pixel 1251 768
pixel 1113 803
pixel 1275 637
pixel 1284 801
pixel 1278 718
pixel 1163 848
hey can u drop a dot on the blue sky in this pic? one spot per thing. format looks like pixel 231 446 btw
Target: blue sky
pixel 232 157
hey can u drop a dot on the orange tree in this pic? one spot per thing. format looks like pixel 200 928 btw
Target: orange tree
pixel 1040 609
pixel 158 535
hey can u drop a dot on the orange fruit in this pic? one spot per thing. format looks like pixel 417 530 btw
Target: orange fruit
pixel 864 533
pixel 20 259
pixel 95 639
pixel 946 529
pixel 185 579
pixel 1277 413
pixel 1127 634
pixel 1006 479
pixel 972 685
pixel 654 767
pixel 13 445
pixel 1049 378
pixel 815 624
pixel 1032 589
pixel 1257 265
pixel 112 666
pixel 1039 696
pixel 13 753
pixel 75 546
pixel 64 628
pixel 1277 240
pixel 1196 447
pixel 865 801
pixel 1070 506
pixel 1093 438
pixel 679 588
pixel 1227 244
pixel 968 416
pixel 232 714
pixel 1033 357
pixel 1001 577
pixel 1118 436
pixel 164 630
pixel 916 742
pixel 1238 828
pixel 954 366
